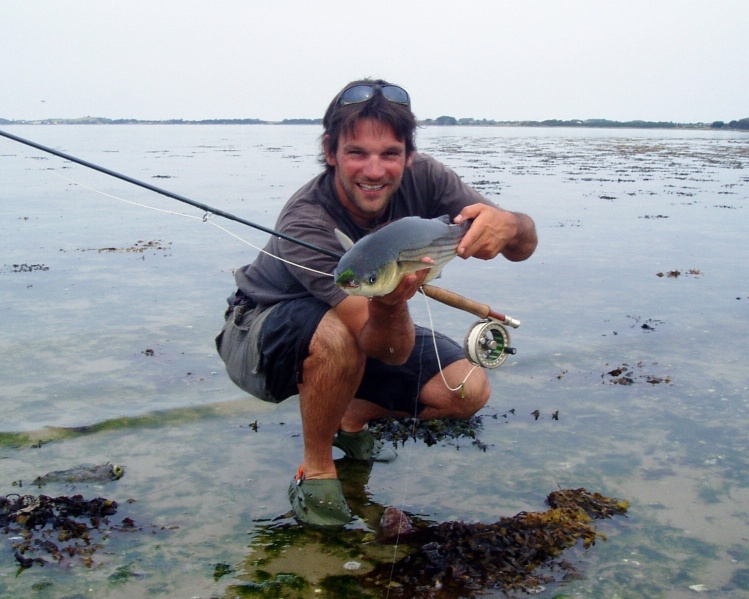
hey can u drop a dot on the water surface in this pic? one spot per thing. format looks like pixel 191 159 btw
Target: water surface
pixel 109 310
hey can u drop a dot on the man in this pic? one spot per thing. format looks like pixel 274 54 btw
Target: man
pixel 351 359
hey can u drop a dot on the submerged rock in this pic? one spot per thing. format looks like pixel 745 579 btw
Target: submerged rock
pixel 103 473
pixel 394 524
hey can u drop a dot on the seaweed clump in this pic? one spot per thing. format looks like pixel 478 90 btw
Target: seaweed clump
pixel 515 554
pixel 431 432
pixel 56 527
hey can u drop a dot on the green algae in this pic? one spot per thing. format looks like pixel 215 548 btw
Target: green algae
pixel 156 419
pixel 16 440
pixel 269 586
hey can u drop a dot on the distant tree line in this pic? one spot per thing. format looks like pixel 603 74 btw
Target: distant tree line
pixel 94 120
pixel 740 124
pixel 301 122
pixel 450 121
pixel 442 121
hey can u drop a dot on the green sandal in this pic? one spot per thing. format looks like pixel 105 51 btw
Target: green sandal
pixel 319 502
pixel 363 446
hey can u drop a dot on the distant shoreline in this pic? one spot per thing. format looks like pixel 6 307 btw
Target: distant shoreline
pixel 443 121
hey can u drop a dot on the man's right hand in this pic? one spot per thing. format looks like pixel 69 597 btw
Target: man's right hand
pixel 406 289
pixel 382 325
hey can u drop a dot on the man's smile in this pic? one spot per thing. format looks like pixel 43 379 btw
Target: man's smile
pixel 371 187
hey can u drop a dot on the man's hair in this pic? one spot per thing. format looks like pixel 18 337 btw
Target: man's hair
pixel 342 119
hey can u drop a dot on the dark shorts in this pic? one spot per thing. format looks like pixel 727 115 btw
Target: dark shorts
pixel 264 350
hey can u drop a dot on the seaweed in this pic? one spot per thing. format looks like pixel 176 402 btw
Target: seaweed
pixel 431 432
pixel 56 527
pixel 448 560
pixel 515 554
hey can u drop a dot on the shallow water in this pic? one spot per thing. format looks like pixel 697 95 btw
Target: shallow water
pixel 108 312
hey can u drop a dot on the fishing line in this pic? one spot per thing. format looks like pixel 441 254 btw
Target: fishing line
pixel 208 211
pixel 205 218
pixel 436 351
pixel 169 194
pixel 409 468
pixel 413 432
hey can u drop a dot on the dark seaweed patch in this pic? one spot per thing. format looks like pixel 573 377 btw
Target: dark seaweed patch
pixel 57 528
pixel 627 375
pixel 515 554
pixel 25 268
pixel 431 432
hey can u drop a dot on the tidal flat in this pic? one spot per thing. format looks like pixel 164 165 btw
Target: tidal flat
pixel 629 378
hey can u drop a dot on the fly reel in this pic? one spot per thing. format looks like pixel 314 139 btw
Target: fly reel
pixel 487 343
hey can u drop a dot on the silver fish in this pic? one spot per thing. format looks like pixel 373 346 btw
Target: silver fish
pixel 374 265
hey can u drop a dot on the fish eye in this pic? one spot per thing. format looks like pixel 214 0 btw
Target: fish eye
pixel 372 279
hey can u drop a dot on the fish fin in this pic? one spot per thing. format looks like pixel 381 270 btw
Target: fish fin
pixel 346 242
pixel 445 219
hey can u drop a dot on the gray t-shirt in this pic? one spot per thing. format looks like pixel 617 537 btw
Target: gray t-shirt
pixel 428 189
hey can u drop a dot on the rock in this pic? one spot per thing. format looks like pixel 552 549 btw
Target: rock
pixel 393 524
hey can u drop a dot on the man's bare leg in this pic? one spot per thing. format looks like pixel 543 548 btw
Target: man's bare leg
pixel 438 400
pixel 331 375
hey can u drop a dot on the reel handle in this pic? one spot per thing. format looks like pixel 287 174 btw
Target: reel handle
pixel 454 300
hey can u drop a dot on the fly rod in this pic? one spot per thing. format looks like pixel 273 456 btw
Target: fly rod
pixel 169 194
pixel 487 342
pixel 454 300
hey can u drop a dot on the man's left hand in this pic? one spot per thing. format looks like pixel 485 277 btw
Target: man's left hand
pixel 496 231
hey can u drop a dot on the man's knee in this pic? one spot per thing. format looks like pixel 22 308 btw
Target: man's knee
pixel 473 396
pixel 478 396
pixel 466 391
pixel 333 345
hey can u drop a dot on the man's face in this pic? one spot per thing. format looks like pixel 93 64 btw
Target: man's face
pixel 369 165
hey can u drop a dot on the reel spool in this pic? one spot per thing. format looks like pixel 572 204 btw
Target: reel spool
pixel 487 344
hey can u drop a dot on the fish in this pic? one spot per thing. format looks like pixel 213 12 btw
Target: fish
pixel 83 474
pixel 374 265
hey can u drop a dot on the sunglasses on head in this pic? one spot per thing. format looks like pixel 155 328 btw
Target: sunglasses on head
pixel 363 92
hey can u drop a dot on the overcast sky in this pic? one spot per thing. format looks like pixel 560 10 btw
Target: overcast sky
pixel 682 61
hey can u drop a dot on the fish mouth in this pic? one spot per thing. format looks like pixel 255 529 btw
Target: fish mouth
pixel 347 280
